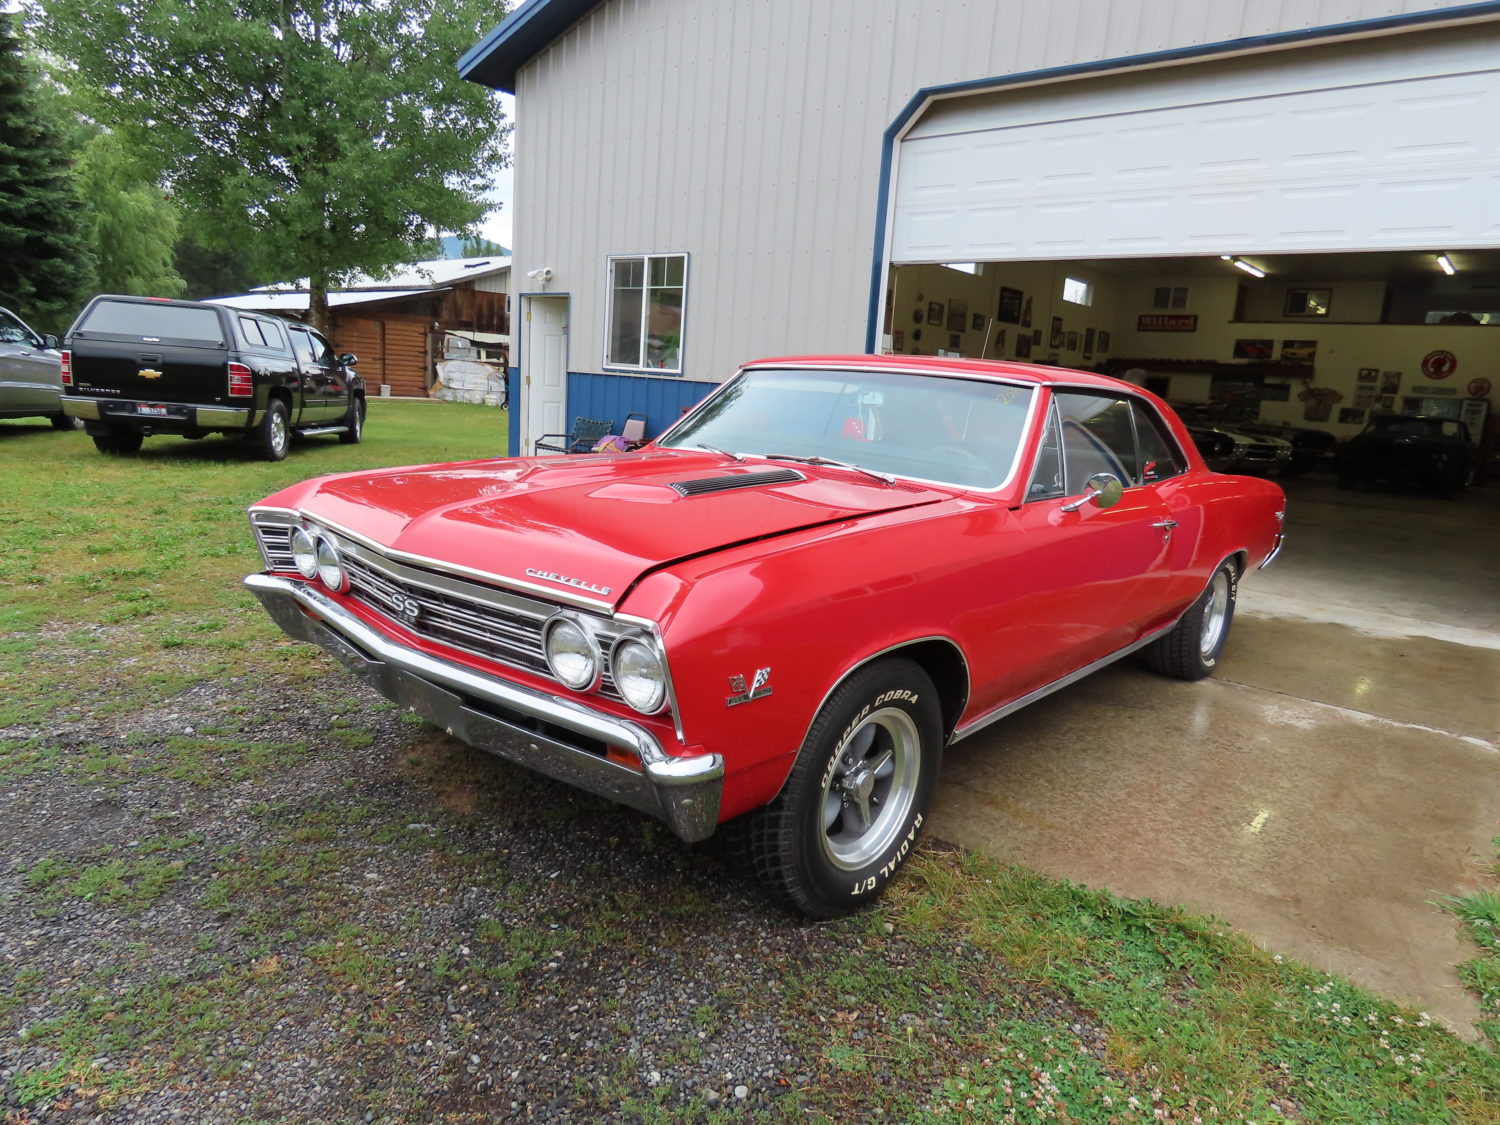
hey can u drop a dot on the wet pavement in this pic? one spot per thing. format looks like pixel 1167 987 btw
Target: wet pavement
pixel 1337 776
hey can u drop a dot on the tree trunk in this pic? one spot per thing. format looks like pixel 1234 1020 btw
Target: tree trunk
pixel 317 305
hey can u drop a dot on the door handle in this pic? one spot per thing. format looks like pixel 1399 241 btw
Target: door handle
pixel 1165 525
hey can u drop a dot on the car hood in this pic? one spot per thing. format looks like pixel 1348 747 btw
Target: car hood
pixel 589 526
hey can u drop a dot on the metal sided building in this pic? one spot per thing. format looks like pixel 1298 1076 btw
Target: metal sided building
pixel 1094 183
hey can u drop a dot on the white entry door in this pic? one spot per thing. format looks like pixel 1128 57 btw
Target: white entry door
pixel 544 369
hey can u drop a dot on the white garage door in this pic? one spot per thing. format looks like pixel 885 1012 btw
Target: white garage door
pixel 1376 145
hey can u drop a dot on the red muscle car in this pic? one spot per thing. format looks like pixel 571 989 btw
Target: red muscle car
pixel 782 610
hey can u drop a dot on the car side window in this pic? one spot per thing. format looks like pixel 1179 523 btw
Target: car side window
pixel 1047 476
pixel 302 346
pixel 1159 456
pixel 1097 437
pixel 12 331
pixel 250 330
pixel 322 352
pixel 272 333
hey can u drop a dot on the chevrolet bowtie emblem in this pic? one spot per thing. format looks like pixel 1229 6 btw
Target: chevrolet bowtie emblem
pixel 150 373
pixel 758 688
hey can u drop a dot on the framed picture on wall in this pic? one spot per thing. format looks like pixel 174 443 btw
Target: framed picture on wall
pixel 1023 345
pixel 1351 414
pixel 1299 351
pixel 1390 382
pixel 935 312
pixel 978 322
pixel 958 316
pixel 1103 341
pixel 1036 337
pixel 1010 305
pixel 1088 343
pixel 1026 314
pixel 1072 342
pixel 1369 375
pixel 1055 340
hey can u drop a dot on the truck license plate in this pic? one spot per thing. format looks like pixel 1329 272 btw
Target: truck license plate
pixel 157 410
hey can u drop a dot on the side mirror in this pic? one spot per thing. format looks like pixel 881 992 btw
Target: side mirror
pixel 50 341
pixel 1104 491
pixel 348 359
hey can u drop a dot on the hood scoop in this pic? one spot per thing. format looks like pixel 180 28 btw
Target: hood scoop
pixel 706 485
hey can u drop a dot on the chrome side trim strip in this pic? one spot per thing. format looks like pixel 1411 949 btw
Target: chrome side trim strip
pixel 1057 685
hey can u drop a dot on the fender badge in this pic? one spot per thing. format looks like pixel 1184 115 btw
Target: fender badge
pixel 149 373
pixel 532 572
pixel 758 688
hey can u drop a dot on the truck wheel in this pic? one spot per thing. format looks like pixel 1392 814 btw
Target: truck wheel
pixel 273 434
pixel 853 807
pixel 118 440
pixel 1191 650
pixel 355 420
pixel 65 422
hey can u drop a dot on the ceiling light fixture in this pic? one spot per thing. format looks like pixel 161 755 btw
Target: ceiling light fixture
pixel 1241 264
pixel 1447 264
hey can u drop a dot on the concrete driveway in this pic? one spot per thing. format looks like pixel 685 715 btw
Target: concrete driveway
pixel 1338 774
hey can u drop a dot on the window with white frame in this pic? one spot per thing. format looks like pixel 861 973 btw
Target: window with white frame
pixel 646 297
pixel 1077 291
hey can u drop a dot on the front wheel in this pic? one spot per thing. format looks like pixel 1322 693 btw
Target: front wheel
pixel 274 434
pixel 1191 649
pixel 854 805
pixel 354 419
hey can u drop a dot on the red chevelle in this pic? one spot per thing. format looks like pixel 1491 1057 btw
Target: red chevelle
pixel 782 610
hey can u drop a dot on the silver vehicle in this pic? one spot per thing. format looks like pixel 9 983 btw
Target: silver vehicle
pixel 30 374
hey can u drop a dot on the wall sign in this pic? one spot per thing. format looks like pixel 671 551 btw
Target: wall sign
pixel 1167 322
pixel 1439 364
pixel 1421 390
pixel 1480 388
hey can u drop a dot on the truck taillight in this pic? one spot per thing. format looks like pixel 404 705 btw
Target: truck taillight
pixel 67 369
pixel 241 381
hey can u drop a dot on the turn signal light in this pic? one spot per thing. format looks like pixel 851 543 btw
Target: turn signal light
pixel 67 369
pixel 241 381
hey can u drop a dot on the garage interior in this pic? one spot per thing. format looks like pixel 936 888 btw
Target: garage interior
pixel 1299 241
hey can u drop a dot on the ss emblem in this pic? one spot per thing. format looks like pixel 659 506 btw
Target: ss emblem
pixel 408 608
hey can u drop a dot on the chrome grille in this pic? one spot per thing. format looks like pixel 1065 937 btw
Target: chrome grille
pixel 488 622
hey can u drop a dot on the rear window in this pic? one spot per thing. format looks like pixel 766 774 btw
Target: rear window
pixel 151 321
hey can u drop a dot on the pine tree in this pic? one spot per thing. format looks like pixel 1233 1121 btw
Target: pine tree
pixel 46 266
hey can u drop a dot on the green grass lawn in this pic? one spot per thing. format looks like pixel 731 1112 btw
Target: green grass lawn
pixel 121 583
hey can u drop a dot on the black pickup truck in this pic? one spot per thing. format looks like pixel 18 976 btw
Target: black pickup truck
pixel 136 366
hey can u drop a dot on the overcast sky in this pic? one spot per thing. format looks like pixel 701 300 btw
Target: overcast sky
pixel 496 225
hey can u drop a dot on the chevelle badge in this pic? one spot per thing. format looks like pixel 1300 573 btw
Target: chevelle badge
pixel 566 581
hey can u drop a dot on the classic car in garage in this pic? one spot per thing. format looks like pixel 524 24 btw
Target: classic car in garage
pixel 1433 453
pixel 778 614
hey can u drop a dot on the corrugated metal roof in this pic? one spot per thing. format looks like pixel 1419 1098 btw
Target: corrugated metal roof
pixel 263 300
pixel 523 35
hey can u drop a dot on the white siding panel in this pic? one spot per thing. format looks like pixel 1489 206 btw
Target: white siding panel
pixel 747 133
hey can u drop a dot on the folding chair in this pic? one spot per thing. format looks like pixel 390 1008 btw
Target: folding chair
pixel 634 430
pixel 582 438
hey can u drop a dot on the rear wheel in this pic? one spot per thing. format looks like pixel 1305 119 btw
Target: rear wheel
pixel 855 802
pixel 1191 650
pixel 118 440
pixel 274 434
pixel 355 420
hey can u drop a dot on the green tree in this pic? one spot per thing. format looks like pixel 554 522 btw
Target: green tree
pixel 211 271
pixel 46 267
pixel 133 223
pixel 477 246
pixel 320 137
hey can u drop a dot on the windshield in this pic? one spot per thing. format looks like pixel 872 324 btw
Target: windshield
pixel 955 431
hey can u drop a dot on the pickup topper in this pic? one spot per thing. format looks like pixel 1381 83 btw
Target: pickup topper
pixel 136 366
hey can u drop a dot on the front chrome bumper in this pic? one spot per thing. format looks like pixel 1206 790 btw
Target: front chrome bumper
pixel 519 724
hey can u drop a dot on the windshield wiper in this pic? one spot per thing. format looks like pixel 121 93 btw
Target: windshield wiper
pixel 722 452
pixel 884 478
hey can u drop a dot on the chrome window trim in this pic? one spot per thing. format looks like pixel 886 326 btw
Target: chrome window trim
pixel 1022 440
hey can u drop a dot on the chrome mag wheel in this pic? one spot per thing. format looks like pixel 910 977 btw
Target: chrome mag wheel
pixel 869 788
pixel 1215 615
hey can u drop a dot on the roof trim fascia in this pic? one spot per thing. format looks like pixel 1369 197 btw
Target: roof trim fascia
pixel 518 39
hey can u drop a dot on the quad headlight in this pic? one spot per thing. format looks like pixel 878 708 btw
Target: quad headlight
pixel 640 674
pixel 571 653
pixel 330 567
pixel 304 553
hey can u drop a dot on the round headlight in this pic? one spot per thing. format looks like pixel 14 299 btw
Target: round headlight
pixel 304 553
pixel 571 654
pixel 330 570
pixel 640 675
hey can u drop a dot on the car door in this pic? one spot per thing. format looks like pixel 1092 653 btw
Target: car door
pixel 1104 571
pixel 314 363
pixel 335 377
pixel 29 379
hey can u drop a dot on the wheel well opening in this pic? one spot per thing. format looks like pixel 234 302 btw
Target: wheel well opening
pixel 949 674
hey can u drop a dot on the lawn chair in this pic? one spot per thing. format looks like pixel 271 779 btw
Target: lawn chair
pixel 634 431
pixel 582 438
